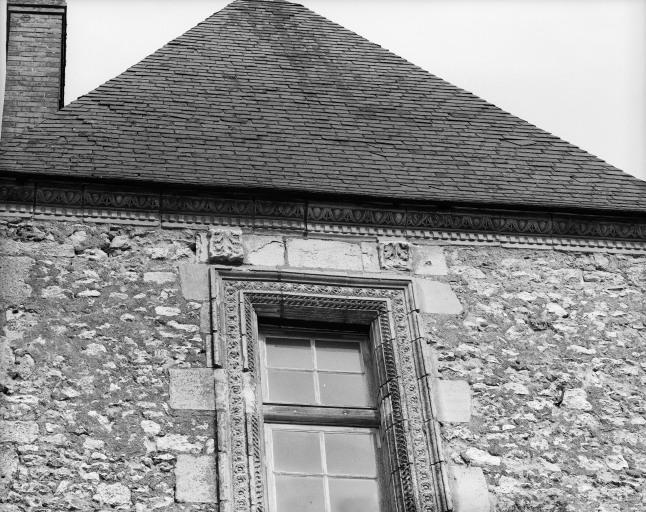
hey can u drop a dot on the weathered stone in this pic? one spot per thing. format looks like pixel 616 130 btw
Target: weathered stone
pixel 8 464
pixel 453 400
pixel 150 427
pixel 176 443
pixel 93 444
pixel 428 260
pixel 202 247
pixel 167 311
pixel 195 479
pixel 194 279
pixel 205 318
pixel 264 250
pixel 395 255
pixel 89 293
pixel 14 272
pixel 112 494
pixel 516 387
pixel 95 349
pixel 192 388
pixel 478 457
pixel 22 432
pixel 468 489
pixel 576 399
pixel 436 297
pixel 120 242
pixel 370 257
pixel 159 277
pixel 225 246
pixel 33 249
pixel 317 253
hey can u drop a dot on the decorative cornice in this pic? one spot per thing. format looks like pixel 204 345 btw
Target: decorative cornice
pixel 453 225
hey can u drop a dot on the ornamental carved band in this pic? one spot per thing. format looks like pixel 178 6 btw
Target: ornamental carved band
pixel 416 475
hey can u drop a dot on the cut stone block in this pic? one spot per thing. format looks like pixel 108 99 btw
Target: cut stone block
pixel 428 260
pixel 14 272
pixel 194 279
pixel 205 318
pixel 159 277
pixel 316 253
pixel 452 400
pixel 192 389
pixel 370 256
pixel 436 297
pixel 195 479
pixel 468 489
pixel 266 251
pixel 18 431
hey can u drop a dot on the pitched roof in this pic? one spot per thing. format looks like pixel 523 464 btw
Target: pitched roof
pixel 269 95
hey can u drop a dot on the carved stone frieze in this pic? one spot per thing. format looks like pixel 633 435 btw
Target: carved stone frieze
pixel 603 229
pixel 395 255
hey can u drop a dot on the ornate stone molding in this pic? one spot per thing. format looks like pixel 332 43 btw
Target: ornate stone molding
pixel 418 471
pixel 456 225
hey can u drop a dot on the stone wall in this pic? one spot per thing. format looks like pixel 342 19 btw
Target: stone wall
pixel 96 322
pixel 554 348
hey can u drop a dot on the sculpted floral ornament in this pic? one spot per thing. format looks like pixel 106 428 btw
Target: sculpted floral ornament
pixel 395 255
pixel 220 246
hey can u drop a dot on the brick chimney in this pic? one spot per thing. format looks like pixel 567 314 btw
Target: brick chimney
pixel 35 73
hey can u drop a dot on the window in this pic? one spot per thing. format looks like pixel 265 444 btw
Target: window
pixel 321 422
pixel 281 389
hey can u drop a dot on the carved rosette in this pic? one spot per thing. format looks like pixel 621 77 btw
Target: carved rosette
pixel 222 246
pixel 395 255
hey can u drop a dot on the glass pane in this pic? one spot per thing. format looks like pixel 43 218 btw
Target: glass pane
pixel 289 353
pixel 344 389
pixel 353 495
pixel 291 386
pixel 350 454
pixel 297 452
pixel 338 356
pixel 300 494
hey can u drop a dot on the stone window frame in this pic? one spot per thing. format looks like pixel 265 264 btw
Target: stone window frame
pixel 419 478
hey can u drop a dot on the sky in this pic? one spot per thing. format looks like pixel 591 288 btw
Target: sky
pixel 576 68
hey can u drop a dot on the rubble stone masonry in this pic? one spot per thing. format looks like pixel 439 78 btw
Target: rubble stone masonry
pixel 540 358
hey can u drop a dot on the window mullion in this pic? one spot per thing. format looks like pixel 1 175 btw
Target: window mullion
pixel 326 483
pixel 317 386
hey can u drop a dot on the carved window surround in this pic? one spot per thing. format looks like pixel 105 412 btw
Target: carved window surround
pixel 387 308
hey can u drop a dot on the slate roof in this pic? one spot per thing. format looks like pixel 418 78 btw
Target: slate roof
pixel 267 95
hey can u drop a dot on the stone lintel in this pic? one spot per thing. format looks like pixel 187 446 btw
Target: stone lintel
pixel 435 297
pixel 321 253
pixel 192 389
pixel 195 479
pixel 452 400
pixel 194 279
pixel 468 489
pixel 264 250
